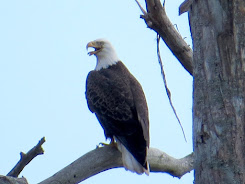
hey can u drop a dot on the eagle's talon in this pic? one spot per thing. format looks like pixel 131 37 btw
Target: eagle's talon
pixel 112 143
pixel 103 144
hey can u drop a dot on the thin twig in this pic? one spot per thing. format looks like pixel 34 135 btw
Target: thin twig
pixel 141 8
pixel 26 158
pixel 165 84
pixel 177 28
pixel 163 4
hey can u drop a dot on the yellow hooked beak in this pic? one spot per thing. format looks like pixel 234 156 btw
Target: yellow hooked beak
pixel 97 48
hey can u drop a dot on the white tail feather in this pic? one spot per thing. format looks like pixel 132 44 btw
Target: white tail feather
pixel 129 162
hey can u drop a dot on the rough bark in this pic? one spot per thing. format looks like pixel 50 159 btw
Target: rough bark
pixel 218 33
pixel 157 19
pixel 12 180
pixel 108 157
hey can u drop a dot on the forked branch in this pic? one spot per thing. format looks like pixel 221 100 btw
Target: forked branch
pixel 26 158
pixel 157 19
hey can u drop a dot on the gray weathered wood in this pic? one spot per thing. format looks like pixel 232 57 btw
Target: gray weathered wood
pixel 12 180
pixel 157 19
pixel 25 159
pixel 108 157
pixel 185 6
pixel 218 32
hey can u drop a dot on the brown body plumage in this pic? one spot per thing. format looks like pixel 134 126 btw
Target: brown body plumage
pixel 118 101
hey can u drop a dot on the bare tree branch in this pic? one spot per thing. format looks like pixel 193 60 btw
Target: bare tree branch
pixel 185 6
pixel 157 20
pixel 12 180
pixel 108 157
pixel 141 8
pixel 161 162
pixel 26 158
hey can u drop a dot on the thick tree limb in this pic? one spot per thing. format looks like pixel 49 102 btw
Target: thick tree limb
pixel 108 157
pixel 26 158
pixel 161 162
pixel 157 20
pixel 12 180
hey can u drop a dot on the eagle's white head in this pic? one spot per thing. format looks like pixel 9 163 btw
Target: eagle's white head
pixel 104 52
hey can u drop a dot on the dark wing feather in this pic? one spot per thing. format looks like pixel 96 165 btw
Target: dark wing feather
pixel 109 95
pixel 141 107
pixel 118 101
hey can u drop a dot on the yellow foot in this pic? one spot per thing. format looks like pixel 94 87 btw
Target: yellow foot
pixel 112 143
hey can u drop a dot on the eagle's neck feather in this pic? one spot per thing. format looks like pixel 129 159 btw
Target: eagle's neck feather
pixel 105 60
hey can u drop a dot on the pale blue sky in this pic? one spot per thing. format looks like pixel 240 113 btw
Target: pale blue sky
pixel 43 68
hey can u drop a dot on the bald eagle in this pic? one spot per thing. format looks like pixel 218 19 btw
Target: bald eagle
pixel 118 101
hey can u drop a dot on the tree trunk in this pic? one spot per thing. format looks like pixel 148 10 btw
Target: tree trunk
pixel 218 32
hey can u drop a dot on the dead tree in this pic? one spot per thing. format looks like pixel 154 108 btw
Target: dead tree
pixel 218 68
pixel 218 33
